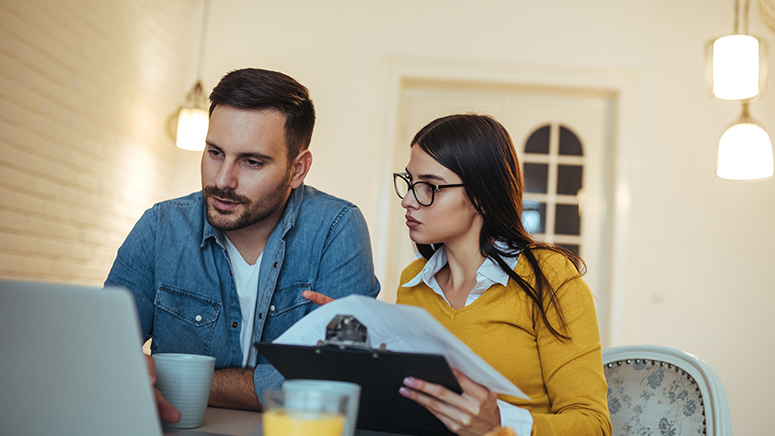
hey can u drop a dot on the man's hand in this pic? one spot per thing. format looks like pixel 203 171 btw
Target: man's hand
pixel 316 298
pixel 167 412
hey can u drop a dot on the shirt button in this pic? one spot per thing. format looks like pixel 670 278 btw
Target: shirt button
pixel 234 324
pixel 271 308
pixel 198 318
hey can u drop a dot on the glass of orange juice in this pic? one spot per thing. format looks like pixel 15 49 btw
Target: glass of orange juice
pixel 292 413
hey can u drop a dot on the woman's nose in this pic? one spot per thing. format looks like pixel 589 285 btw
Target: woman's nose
pixel 409 201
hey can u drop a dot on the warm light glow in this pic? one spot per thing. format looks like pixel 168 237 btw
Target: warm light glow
pixel 192 128
pixel 745 153
pixel 736 67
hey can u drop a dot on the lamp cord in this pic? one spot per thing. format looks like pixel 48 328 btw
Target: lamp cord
pixel 746 7
pixel 205 13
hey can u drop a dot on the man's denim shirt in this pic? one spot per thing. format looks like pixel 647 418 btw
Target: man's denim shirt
pixel 176 265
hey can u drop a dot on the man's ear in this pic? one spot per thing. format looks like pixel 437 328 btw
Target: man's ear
pixel 300 167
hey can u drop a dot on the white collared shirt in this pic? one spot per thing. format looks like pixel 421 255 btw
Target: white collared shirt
pixel 487 275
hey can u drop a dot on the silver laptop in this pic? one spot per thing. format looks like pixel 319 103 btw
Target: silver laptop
pixel 71 362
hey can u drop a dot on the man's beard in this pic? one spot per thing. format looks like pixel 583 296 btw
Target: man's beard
pixel 250 213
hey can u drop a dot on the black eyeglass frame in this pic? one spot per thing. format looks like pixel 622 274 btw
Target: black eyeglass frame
pixel 410 187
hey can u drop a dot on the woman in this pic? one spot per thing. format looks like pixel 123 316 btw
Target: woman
pixel 520 304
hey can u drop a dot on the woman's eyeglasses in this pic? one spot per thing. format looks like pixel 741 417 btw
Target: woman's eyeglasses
pixel 424 192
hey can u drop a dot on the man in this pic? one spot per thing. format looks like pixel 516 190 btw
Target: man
pixel 221 268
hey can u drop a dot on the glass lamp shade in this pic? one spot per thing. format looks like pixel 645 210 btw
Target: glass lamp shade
pixel 737 66
pixel 192 128
pixel 745 153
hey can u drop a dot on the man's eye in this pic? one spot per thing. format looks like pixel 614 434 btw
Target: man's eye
pixel 253 163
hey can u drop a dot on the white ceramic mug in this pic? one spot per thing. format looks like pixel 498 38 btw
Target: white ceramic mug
pixel 185 381
pixel 351 390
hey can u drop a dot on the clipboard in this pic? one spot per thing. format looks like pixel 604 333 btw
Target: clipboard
pixel 380 374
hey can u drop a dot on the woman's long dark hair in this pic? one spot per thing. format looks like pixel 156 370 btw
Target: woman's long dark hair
pixel 479 150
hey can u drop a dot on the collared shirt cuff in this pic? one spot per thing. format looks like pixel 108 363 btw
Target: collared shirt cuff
pixel 515 418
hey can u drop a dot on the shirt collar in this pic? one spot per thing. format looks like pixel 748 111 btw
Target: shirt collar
pixel 488 274
pixel 432 266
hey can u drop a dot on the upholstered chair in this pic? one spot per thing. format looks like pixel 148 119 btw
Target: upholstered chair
pixel 661 391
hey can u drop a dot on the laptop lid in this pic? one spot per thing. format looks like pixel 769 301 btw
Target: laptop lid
pixel 71 362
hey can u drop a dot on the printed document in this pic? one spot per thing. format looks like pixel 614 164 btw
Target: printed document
pixel 404 329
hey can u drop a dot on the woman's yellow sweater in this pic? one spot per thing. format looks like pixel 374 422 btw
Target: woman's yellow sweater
pixel 564 379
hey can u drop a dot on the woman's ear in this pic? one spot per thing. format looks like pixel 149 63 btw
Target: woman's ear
pixel 478 206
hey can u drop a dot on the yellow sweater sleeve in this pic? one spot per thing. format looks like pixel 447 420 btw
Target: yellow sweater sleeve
pixel 572 370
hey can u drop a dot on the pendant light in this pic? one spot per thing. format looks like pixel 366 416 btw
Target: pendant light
pixel 737 63
pixel 193 116
pixel 736 68
pixel 745 150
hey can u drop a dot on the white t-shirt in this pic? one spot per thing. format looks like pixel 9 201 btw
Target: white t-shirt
pixel 246 281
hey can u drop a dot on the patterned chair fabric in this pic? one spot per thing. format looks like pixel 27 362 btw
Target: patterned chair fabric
pixel 649 397
pixel 659 391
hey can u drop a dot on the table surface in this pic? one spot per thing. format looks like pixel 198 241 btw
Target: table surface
pixel 232 422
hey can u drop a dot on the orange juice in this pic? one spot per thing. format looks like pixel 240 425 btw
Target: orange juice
pixel 292 423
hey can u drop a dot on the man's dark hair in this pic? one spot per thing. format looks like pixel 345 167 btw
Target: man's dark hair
pixel 256 89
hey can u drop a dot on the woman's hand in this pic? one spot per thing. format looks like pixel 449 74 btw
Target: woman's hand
pixel 316 298
pixel 474 412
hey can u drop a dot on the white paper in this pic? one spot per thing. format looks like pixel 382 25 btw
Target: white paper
pixel 402 328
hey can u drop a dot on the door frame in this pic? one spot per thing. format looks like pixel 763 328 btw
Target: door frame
pixel 623 84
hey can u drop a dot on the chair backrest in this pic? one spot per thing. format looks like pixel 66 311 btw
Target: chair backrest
pixel 655 390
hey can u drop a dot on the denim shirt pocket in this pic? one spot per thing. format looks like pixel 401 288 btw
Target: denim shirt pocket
pixel 184 321
pixel 288 306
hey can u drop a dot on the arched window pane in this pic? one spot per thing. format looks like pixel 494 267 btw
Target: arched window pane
pixel 569 143
pixel 538 142
pixel 569 179
pixel 534 216
pixel 536 177
pixel 567 220
pixel 553 170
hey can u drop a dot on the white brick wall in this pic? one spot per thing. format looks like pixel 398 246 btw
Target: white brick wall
pixel 86 87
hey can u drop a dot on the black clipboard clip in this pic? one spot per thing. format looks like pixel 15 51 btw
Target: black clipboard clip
pixel 346 332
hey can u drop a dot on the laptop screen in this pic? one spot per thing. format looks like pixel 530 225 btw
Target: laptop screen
pixel 71 362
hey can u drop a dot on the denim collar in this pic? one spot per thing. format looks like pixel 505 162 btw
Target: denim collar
pixel 286 223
